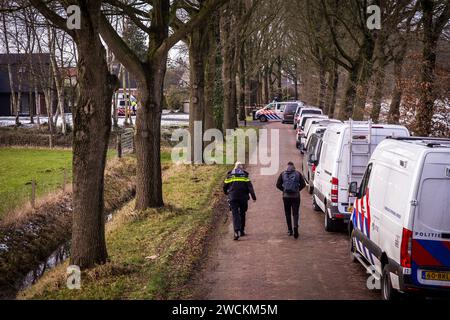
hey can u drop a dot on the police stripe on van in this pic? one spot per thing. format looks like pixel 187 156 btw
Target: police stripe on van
pixel 361 221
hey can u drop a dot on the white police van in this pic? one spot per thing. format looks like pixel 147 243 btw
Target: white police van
pixel 274 111
pixel 400 225
pixel 346 150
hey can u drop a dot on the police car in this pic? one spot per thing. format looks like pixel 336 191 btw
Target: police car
pixel 273 111
pixel 403 231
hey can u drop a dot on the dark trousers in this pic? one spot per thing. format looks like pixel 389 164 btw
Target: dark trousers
pixel 291 210
pixel 239 209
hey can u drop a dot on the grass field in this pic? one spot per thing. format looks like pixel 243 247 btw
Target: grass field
pixel 19 166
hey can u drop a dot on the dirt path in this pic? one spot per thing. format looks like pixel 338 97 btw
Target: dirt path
pixel 267 264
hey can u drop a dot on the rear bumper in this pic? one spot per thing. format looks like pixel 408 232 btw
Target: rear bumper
pixel 407 285
pixel 338 215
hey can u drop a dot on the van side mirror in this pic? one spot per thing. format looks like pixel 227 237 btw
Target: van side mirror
pixel 353 189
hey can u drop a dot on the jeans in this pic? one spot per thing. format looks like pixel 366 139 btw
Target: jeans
pixel 291 210
pixel 239 209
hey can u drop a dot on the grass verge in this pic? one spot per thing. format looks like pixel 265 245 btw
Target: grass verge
pixel 152 253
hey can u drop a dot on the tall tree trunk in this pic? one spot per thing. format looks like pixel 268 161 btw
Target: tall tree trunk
pixel 346 107
pixel 362 86
pixel 210 77
pixel 353 104
pixel 228 49
pixel 279 78
pixel 379 76
pixel 378 93
pixel 394 108
pixel 322 86
pixel 266 86
pixel 197 56
pixel 432 29
pixel 148 135
pixel 242 87
pixel 333 82
pixel 92 126
pixel 360 100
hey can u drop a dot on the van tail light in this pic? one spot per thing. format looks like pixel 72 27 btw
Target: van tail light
pixel 405 249
pixel 334 190
pixel 313 167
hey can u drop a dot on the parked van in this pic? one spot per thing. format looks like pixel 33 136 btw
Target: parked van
pixel 274 111
pixel 300 106
pixel 400 225
pixel 311 158
pixel 289 112
pixel 307 109
pixel 301 125
pixel 310 123
pixel 346 150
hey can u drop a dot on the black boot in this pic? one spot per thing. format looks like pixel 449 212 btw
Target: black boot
pixel 243 233
pixel 296 233
pixel 290 233
pixel 236 235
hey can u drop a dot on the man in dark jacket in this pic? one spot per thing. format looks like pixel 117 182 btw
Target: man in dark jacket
pixel 238 187
pixel 291 182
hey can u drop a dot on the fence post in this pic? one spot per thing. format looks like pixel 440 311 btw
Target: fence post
pixel 33 193
pixel 65 179
pixel 119 145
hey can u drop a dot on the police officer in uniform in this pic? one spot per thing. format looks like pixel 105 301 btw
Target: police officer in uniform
pixel 238 187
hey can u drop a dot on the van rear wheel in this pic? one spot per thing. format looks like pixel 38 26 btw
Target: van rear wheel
pixel 330 224
pixel 387 291
pixel 263 118
pixel 315 205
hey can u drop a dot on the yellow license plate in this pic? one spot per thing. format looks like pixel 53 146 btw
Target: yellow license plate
pixel 439 276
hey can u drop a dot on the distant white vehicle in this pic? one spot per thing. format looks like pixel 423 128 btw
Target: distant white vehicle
pixel 400 223
pixel 275 111
pixel 306 110
pixel 301 124
pixel 346 150
pixel 310 123
pixel 121 103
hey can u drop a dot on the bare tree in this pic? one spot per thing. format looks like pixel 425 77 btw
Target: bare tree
pixel 154 20
pixel 436 15
pixel 92 126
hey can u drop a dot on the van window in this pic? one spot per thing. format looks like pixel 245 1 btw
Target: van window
pixel 365 181
pixel 312 112
pixel 319 149
pixel 312 144
pixel 329 152
pixel 290 108
pixel 434 204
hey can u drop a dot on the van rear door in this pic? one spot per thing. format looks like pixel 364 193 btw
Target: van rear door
pixel 431 226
